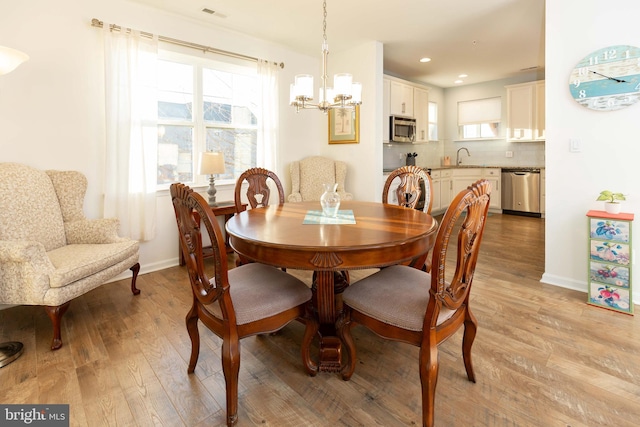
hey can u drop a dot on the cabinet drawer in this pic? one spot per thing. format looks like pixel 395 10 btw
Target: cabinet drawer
pixel 492 172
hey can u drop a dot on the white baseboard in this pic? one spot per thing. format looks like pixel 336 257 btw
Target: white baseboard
pixel 146 268
pixel 576 285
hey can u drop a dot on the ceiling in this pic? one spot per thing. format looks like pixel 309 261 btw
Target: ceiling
pixel 485 39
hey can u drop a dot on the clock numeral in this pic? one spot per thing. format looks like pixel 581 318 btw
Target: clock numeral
pixel 576 83
pixel 593 60
pixel 627 54
pixel 609 54
pixel 611 102
pixel 582 93
pixel 582 71
pixel 637 87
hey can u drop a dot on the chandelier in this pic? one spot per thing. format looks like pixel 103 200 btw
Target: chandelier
pixel 344 94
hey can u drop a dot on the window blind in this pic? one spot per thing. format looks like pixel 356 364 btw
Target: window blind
pixel 477 111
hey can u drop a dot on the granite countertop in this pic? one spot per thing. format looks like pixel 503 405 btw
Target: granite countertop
pixel 465 166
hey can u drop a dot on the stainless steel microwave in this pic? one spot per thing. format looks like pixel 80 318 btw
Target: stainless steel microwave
pixel 402 129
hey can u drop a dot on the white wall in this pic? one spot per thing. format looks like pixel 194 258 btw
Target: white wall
pixel 52 106
pixel 610 154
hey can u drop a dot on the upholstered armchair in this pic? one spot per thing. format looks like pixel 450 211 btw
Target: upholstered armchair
pixel 308 175
pixel 50 253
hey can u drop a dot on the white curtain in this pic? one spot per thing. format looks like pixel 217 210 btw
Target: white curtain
pixel 268 122
pixel 131 131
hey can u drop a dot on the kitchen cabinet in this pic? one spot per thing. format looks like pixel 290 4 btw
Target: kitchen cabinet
pixel 494 176
pixel 421 114
pixel 609 261
pixel 401 99
pixel 441 183
pixel 462 178
pixel 448 183
pixel 386 95
pixel 525 111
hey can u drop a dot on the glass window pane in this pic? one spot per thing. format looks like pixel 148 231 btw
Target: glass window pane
pixel 240 147
pixel 175 94
pixel 175 154
pixel 229 98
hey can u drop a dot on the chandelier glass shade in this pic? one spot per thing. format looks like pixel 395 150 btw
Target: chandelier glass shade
pixel 10 59
pixel 344 93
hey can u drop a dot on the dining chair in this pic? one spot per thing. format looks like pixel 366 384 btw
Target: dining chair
pixel 258 191
pixel 404 304
pixel 415 187
pixel 247 300
pixel 414 181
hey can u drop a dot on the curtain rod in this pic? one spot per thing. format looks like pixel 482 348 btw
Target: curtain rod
pixel 97 23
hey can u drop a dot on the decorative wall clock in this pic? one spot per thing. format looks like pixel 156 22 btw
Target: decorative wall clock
pixel 607 79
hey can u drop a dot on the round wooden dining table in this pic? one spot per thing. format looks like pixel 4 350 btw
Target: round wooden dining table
pixel 296 236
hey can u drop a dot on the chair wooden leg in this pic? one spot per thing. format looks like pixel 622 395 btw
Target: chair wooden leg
pixel 428 380
pixel 135 269
pixel 310 331
pixel 344 331
pixel 194 335
pixel 55 314
pixel 470 328
pixel 231 368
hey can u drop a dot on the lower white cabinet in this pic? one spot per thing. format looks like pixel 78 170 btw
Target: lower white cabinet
pixel 448 183
pixel 441 195
pixel 493 175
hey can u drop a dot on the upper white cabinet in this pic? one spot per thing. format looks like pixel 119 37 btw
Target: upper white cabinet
pixel 421 113
pixel 401 98
pixel 525 112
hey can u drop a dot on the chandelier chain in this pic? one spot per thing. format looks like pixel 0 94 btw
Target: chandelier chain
pixel 324 21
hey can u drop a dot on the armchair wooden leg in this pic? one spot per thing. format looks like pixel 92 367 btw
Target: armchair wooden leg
pixel 135 269
pixel 55 314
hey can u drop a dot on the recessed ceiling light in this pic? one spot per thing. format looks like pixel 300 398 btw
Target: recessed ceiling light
pixel 425 59
pixel 458 82
pixel 462 76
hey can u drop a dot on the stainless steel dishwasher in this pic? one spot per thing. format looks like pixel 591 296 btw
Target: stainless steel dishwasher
pixel 521 191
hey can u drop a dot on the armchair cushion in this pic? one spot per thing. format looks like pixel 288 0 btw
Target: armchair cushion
pixel 308 175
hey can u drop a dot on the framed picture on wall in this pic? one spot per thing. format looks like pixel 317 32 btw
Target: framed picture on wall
pixel 344 125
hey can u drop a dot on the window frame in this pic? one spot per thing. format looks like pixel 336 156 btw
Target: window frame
pixel 199 61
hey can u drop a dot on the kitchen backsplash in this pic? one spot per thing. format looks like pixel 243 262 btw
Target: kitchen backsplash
pixel 482 153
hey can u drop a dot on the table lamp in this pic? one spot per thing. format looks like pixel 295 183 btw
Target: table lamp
pixel 9 60
pixel 210 164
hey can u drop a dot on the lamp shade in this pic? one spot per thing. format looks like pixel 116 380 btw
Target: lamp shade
pixel 10 59
pixel 211 163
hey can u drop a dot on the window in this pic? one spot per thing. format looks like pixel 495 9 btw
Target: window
pixel 479 118
pixel 205 104
pixel 433 121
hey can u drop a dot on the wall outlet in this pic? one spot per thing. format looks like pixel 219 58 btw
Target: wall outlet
pixel 508 154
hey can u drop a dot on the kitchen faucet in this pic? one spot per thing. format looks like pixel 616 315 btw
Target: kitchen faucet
pixel 458 161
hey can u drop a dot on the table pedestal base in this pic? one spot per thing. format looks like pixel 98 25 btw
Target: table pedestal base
pixel 330 354
pixel 327 288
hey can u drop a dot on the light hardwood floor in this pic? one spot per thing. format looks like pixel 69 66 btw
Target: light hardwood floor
pixel 542 357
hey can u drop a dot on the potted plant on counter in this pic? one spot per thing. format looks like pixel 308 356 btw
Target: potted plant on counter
pixel 611 201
